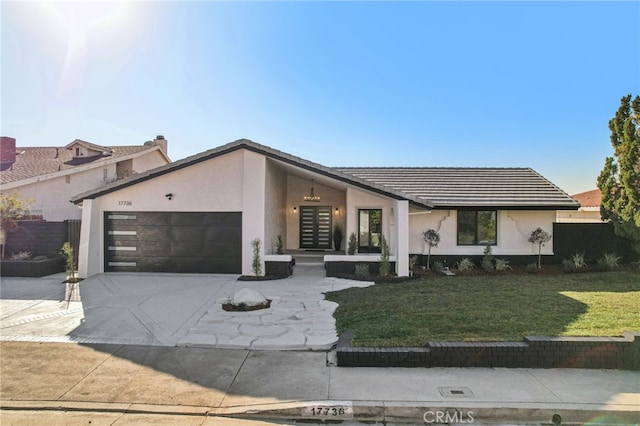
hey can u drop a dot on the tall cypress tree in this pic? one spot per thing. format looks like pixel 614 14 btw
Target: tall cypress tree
pixel 619 180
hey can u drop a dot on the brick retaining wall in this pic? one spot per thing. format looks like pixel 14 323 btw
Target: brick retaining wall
pixel 532 352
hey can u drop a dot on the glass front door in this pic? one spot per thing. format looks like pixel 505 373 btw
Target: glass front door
pixel 369 230
pixel 315 227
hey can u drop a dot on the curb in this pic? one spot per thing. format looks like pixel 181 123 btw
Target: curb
pixel 329 411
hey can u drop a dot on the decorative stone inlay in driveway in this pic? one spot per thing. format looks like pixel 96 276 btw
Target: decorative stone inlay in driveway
pixel 299 318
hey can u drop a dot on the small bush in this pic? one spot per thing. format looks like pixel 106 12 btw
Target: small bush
pixel 502 265
pixel 279 245
pixel 23 255
pixel 438 266
pixel 412 262
pixel 532 268
pixel 574 263
pixel 609 261
pixel 385 265
pixel 353 244
pixel 465 265
pixel 362 269
pixel 256 264
pixel 487 259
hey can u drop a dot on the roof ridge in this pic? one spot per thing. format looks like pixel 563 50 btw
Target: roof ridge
pixel 432 167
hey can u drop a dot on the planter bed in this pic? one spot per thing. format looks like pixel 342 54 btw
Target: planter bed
pixel 31 268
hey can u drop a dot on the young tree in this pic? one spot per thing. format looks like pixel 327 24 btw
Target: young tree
pixel 619 180
pixel 432 238
pixel 12 208
pixel 539 237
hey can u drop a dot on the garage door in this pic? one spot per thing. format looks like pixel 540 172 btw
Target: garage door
pixel 173 242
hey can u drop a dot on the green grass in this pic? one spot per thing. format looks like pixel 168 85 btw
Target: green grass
pixel 490 308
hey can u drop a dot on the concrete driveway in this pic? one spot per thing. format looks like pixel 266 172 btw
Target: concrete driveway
pixel 172 310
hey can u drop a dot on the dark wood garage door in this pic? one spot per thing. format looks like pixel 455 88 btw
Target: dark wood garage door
pixel 173 242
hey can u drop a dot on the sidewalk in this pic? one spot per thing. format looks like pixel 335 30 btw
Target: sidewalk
pixel 102 381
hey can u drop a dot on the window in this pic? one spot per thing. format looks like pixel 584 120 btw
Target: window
pixel 369 230
pixel 477 227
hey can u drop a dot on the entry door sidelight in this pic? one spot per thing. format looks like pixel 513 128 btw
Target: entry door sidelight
pixel 315 227
pixel 369 230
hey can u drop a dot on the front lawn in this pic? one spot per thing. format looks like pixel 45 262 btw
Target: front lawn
pixel 490 308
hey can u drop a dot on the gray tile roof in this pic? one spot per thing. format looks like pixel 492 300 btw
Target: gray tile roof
pixel 470 187
pixel 37 161
pixel 261 149
pixel 518 188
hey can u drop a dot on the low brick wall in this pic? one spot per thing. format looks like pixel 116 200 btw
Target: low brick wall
pixel 532 352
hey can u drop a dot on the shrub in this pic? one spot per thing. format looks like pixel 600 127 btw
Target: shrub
pixel 412 262
pixel 532 268
pixel 438 266
pixel 353 244
pixel 574 263
pixel 70 260
pixel 385 265
pixel 338 235
pixel 502 265
pixel 609 261
pixel 279 245
pixel 23 255
pixel 256 265
pixel 362 269
pixel 465 265
pixel 487 259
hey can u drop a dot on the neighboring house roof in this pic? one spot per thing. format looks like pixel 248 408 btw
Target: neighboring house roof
pixel 425 187
pixel 514 188
pixel 589 199
pixel 261 149
pixel 36 161
pixel 91 146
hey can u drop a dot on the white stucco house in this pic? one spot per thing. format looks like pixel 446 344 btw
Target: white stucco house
pixel 201 213
pixel 589 211
pixel 50 175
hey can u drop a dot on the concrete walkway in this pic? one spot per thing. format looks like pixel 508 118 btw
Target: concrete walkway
pixel 172 310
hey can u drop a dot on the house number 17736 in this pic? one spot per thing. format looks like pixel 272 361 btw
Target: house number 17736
pixel 125 203
pixel 340 411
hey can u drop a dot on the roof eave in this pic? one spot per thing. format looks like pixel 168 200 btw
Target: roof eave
pixel 254 147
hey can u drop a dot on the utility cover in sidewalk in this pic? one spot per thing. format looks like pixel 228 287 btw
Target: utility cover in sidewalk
pixel 460 391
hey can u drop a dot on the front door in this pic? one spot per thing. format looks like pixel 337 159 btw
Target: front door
pixel 370 230
pixel 315 227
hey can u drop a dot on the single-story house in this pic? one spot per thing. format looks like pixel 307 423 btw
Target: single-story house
pixel 50 175
pixel 201 213
pixel 589 211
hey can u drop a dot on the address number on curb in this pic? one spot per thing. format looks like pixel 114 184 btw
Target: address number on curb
pixel 328 411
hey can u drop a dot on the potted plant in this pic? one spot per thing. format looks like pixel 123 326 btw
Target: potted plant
pixel 337 237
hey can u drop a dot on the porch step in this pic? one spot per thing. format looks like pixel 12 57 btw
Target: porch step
pixel 308 257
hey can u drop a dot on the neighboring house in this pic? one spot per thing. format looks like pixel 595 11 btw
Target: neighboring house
pixel 589 211
pixel 50 176
pixel 201 213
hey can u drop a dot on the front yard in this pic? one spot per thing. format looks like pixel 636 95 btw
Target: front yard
pixel 489 308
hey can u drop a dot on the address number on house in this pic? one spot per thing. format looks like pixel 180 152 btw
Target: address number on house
pixel 125 203
pixel 328 411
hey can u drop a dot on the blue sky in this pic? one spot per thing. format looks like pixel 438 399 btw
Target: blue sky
pixel 506 84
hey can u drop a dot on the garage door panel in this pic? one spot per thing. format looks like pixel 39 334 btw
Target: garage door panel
pixel 174 242
pixel 154 218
